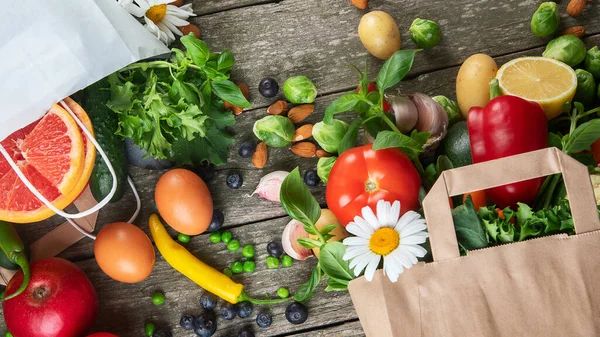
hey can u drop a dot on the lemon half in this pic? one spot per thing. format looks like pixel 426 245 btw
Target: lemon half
pixel 549 82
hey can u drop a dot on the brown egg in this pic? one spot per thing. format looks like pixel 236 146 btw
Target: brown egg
pixel 124 252
pixel 184 202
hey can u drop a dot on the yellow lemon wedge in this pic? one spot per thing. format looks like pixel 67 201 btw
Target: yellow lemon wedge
pixel 549 82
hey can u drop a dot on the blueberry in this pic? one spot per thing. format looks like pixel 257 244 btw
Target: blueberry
pixel 228 311
pixel 217 221
pixel 245 309
pixel 234 180
pixel 274 248
pixel 162 333
pixel 187 322
pixel 205 324
pixel 268 87
pixel 247 149
pixel 296 313
pixel 311 178
pixel 246 333
pixel 264 320
pixel 208 301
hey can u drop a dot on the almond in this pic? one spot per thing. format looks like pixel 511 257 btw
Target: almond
pixel 260 156
pixel 236 110
pixel 305 149
pixel 575 7
pixel 575 30
pixel 278 108
pixel 323 154
pixel 191 28
pixel 177 3
pixel 299 113
pixel 303 132
pixel 360 4
pixel 244 88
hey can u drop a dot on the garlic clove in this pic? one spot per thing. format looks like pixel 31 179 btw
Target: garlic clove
pixel 269 185
pixel 293 231
pixel 432 118
pixel 405 112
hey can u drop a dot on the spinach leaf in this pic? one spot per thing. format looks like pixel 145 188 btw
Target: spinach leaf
pixel 334 284
pixel 341 104
pixel 196 49
pixel 298 202
pixel 229 92
pixel 349 139
pixel 307 289
pixel 395 68
pixel 332 262
pixel 469 231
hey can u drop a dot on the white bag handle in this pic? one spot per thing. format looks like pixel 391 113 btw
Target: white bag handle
pixel 48 203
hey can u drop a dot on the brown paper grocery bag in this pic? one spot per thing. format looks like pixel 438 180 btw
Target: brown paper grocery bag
pixel 544 287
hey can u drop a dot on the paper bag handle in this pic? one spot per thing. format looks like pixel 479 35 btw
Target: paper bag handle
pixel 442 235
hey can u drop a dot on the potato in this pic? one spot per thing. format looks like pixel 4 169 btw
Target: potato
pixel 379 33
pixel 472 82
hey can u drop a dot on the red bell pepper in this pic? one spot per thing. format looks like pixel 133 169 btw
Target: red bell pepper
pixel 508 125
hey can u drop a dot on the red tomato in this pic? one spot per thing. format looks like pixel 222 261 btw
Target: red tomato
pixel 102 334
pixel 596 151
pixel 373 87
pixel 361 177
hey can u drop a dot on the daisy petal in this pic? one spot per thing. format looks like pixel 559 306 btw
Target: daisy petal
pixel 370 218
pixel 413 240
pixel 354 251
pixel 355 229
pixel 365 225
pixel 372 267
pixel 394 213
pixel 383 208
pixel 175 21
pixel 182 13
pixel 416 250
pixel 406 219
pixel 412 229
pixel 390 269
pixel 356 241
pixel 361 263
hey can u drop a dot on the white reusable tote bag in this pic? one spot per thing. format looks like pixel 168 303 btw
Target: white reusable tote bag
pixel 49 50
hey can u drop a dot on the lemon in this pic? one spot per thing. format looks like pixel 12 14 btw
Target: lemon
pixel 549 82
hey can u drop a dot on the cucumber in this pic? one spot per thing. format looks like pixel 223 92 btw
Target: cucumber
pixel 105 123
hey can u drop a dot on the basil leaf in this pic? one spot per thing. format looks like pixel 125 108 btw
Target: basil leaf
pixel 309 243
pixel 395 68
pixel 229 92
pixel 583 137
pixel 225 61
pixel 390 139
pixel 181 89
pixel 306 290
pixel 349 139
pixel 334 284
pixel 469 231
pixel 327 229
pixel 332 262
pixel 197 50
pixel 555 140
pixel 341 104
pixel 298 202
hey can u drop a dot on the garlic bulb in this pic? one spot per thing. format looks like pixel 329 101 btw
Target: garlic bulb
pixel 269 186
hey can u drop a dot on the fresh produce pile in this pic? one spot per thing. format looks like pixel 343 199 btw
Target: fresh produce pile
pixel 379 152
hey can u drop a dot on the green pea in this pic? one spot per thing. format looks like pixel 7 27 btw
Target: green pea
pixel 237 267
pixel 233 245
pixel 227 272
pixel 249 266
pixel 248 251
pixel 149 328
pixel 158 298
pixel 283 292
pixel 272 262
pixel 226 237
pixel 286 261
pixel 183 238
pixel 215 237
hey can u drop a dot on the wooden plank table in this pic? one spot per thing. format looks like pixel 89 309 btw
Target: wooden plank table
pixel 282 38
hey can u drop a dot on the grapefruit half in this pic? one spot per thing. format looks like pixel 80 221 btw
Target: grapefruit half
pixel 51 154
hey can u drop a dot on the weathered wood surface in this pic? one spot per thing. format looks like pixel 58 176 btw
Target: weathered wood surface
pixel 318 39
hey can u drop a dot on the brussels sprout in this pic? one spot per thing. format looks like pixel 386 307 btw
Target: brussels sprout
pixel 451 107
pixel 567 48
pixel 592 62
pixel 545 20
pixel 324 166
pixel 275 131
pixel 425 33
pixel 299 90
pixel 329 136
pixel 586 86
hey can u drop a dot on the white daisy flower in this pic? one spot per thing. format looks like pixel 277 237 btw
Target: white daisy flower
pixel 386 235
pixel 161 18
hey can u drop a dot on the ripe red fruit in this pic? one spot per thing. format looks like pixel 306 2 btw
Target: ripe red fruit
pixel 59 301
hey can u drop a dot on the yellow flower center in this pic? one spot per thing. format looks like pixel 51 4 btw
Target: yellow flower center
pixel 156 13
pixel 384 241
